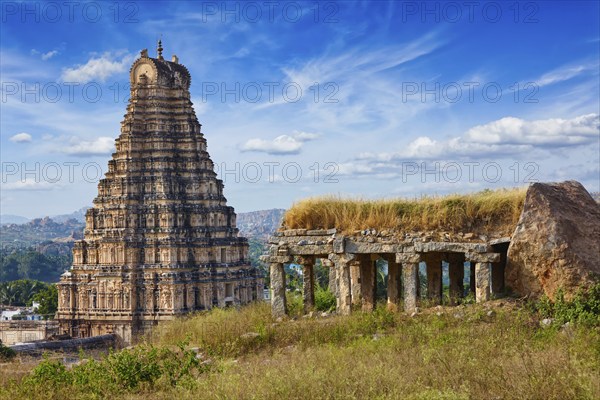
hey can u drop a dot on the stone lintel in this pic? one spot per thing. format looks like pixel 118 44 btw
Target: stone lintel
pixel 450 247
pixel 276 259
pixel 353 246
pixel 311 250
pixel 482 257
pixel 408 257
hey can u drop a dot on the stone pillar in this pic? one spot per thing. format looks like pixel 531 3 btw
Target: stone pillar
pixel 410 276
pixel 456 272
pixel 342 265
pixel 278 301
pixel 482 281
pixel 367 282
pixel 483 271
pixel 433 262
pixel 333 278
pixel 355 283
pixel 308 286
pixel 393 284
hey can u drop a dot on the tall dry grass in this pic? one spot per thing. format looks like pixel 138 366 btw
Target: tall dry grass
pixel 497 211
pixel 462 353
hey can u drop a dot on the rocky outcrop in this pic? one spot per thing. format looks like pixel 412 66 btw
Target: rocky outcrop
pixel 556 242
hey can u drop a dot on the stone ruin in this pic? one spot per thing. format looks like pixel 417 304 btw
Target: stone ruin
pixel 160 240
pixel 555 244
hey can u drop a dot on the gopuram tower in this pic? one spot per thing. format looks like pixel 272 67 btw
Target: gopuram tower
pixel 160 240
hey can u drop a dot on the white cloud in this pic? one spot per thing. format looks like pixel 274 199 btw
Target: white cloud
pixel 100 146
pixel 49 55
pixel 504 138
pixel 21 138
pixel 98 68
pixel 283 144
pixel 555 132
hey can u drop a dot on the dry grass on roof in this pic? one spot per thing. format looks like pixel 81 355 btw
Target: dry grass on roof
pixel 489 210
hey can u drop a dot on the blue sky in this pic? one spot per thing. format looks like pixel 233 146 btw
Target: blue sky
pixel 297 99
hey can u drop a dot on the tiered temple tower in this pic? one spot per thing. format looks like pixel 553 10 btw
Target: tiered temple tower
pixel 160 240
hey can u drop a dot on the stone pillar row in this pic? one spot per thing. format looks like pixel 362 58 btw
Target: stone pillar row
pixel 353 279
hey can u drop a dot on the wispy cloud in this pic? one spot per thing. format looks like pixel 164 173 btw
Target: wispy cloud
pixel 567 72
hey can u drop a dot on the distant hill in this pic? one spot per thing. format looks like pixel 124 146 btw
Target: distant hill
pixel 259 225
pixel 55 235
pixel 44 234
pixel 78 215
pixel 596 196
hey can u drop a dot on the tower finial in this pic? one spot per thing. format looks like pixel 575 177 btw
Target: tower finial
pixel 159 49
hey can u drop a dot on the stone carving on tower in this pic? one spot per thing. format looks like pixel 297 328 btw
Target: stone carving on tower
pixel 160 240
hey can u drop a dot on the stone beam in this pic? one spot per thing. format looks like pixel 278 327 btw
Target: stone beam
pixel 360 247
pixel 450 247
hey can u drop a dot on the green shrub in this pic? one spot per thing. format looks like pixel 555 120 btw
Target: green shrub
pixel 583 309
pixel 131 370
pixel 49 374
pixel 295 304
pixel 324 299
pixel 6 353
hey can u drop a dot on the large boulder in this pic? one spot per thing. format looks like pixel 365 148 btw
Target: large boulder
pixel 556 243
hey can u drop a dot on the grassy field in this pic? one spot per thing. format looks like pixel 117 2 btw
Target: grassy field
pixel 496 351
pixel 496 211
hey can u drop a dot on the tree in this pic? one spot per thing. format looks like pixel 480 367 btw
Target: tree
pixel 20 292
pixel 48 299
